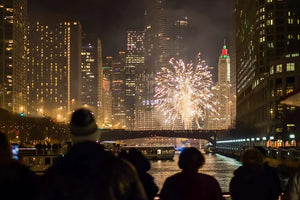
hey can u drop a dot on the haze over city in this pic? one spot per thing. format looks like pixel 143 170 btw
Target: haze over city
pixel 157 78
pixel 211 21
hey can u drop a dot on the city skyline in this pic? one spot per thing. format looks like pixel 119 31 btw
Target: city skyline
pixel 44 61
pixel 211 21
pixel 64 68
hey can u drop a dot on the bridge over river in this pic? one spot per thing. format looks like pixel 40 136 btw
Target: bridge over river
pixel 120 134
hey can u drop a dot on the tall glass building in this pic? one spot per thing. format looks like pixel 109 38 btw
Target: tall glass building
pixel 267 66
pixel 13 34
pixel 54 74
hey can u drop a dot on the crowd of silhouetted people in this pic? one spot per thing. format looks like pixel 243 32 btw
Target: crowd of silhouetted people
pixel 89 172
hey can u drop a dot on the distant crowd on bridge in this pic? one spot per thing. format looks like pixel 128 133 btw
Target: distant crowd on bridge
pixel 87 171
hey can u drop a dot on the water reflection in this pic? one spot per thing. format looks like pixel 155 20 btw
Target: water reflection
pixel 216 165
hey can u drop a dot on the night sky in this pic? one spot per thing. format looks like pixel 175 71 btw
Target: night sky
pixel 211 21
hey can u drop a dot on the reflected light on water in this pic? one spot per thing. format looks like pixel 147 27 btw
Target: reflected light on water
pixel 216 165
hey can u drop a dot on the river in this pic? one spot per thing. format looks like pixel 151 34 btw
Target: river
pixel 216 165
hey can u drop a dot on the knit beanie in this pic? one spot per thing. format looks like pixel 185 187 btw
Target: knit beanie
pixel 83 126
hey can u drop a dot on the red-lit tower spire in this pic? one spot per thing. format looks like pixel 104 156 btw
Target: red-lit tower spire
pixel 224 96
pixel 224 52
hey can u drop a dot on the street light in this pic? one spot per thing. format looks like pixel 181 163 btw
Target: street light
pixel 58 117
pixel 21 111
pixel 292 136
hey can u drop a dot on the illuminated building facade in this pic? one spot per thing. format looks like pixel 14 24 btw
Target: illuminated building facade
pixel 13 34
pixel 54 74
pixel 100 111
pixel 147 117
pixel 107 92
pixel 232 50
pixel 118 92
pixel 135 62
pixel 164 38
pixel 225 97
pixel 89 73
pixel 165 34
pixel 268 65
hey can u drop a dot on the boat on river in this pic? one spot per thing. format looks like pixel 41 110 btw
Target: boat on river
pixel 154 152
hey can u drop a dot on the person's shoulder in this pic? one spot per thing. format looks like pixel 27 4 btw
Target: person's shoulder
pixel 175 177
pixel 208 178
pixel 269 169
pixel 20 169
pixel 239 170
pixel 19 166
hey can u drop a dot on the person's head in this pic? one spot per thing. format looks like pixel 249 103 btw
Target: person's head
pixel 191 159
pixel 140 162
pixel 252 157
pixel 123 154
pixel 83 127
pixel 5 148
pixel 262 150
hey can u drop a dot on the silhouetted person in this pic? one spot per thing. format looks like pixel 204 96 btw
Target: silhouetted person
pixel 189 184
pixel 17 181
pixel 89 172
pixel 254 180
pixel 123 154
pixel 142 165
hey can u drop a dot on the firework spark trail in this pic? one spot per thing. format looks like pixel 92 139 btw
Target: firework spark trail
pixel 184 92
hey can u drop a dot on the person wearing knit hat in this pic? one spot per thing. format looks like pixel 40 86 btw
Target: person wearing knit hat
pixel 87 171
pixel 83 126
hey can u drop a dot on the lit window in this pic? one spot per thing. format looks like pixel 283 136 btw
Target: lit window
pixel 278 68
pixel 273 93
pixel 290 67
pixel 279 92
pixel 278 130
pixel 272 70
pixel 292 108
pixel 269 22
pixel 262 39
pixel 289 90
pixel 270 44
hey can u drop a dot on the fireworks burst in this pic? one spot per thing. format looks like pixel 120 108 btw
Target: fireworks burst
pixel 184 92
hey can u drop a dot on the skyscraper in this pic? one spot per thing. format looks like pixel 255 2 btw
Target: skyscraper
pixel 13 34
pixel 89 72
pixel 100 111
pixel 54 75
pixel 119 106
pixel 107 91
pixel 267 61
pixel 135 63
pixel 165 33
pixel 224 91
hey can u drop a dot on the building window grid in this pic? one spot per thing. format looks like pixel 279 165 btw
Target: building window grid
pixel 279 68
pixel 290 67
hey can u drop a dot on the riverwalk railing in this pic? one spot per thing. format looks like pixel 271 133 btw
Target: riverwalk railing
pixel 276 156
